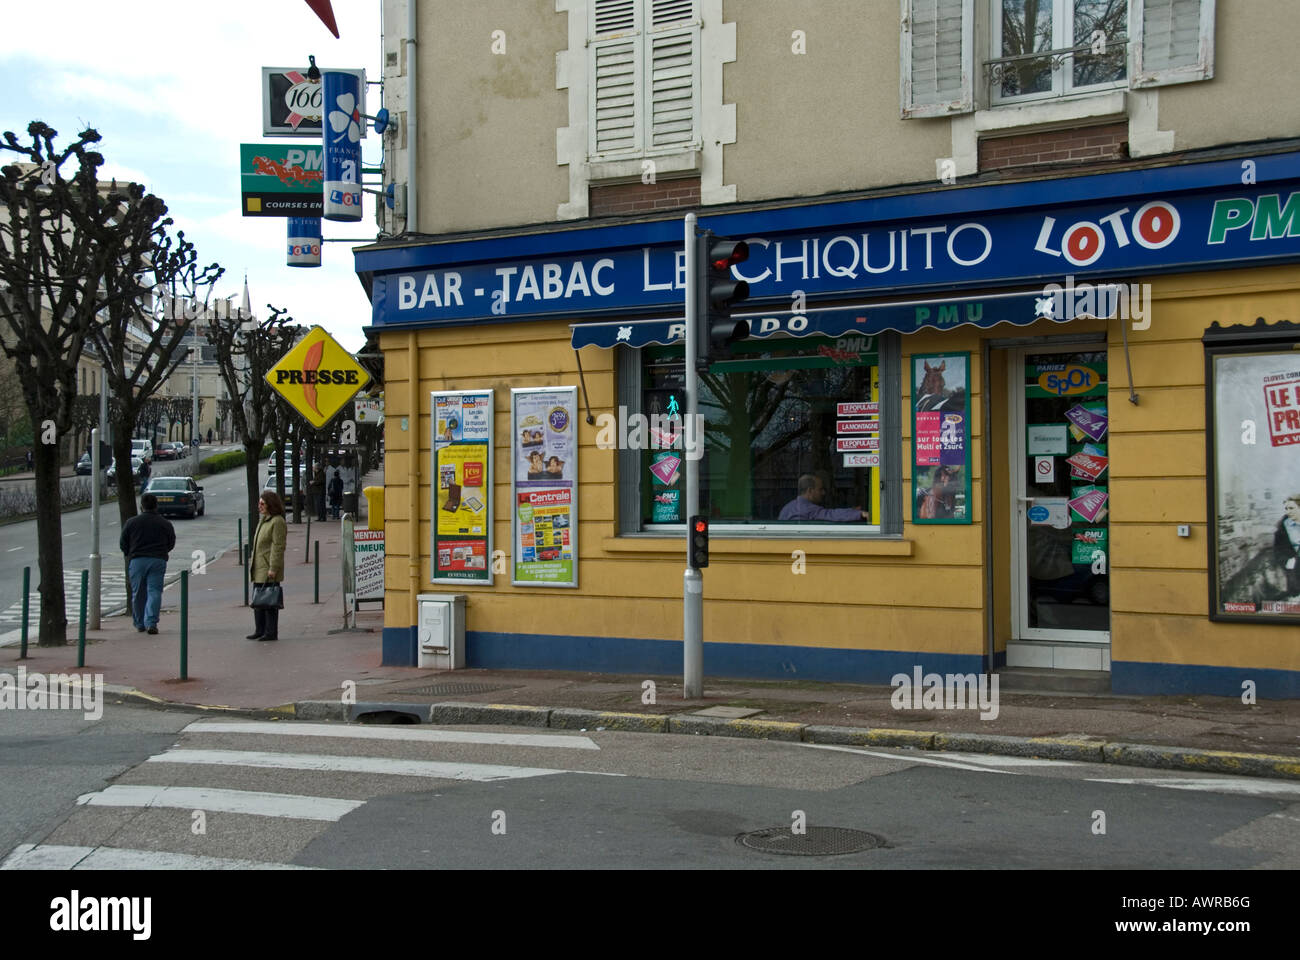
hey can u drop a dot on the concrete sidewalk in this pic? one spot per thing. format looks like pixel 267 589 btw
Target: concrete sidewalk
pixel 309 670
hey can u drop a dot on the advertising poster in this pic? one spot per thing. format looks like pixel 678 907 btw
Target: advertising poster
pixel 462 486
pixel 1254 396
pixel 666 482
pixel 544 485
pixel 941 482
pixel 369 552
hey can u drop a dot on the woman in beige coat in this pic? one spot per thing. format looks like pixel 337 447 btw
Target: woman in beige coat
pixel 267 562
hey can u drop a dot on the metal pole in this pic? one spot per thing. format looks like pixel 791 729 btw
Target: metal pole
pixel 95 562
pixel 239 539
pixel 246 575
pixel 316 595
pixel 27 597
pixel 306 554
pixel 185 624
pixel 692 580
pixel 194 421
pixel 81 630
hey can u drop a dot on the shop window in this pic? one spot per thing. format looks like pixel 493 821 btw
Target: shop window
pixel 770 462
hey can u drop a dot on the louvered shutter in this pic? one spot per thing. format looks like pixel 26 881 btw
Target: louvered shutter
pixel 1173 42
pixel 936 52
pixel 672 75
pixel 616 78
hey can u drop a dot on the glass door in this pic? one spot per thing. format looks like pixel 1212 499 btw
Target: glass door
pixel 1060 485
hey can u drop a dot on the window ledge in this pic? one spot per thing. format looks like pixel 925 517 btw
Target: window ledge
pixel 1062 110
pixel 746 546
pixel 632 169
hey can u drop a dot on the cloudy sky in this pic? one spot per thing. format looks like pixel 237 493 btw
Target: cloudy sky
pixel 173 86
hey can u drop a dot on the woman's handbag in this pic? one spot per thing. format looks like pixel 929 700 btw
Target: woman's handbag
pixel 267 596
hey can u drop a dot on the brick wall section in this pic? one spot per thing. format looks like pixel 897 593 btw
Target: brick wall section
pixel 1056 147
pixel 618 199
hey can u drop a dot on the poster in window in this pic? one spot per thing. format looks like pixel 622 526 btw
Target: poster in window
pixel 462 486
pixel 941 482
pixel 544 486
pixel 1253 395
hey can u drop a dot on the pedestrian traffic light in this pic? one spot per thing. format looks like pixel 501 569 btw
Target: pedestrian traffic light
pixel 698 535
pixel 716 294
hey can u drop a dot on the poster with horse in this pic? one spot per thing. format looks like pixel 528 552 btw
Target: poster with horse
pixel 941 483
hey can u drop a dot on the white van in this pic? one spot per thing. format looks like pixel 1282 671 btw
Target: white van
pixel 142 449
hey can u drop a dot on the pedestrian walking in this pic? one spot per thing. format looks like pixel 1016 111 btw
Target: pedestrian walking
pixel 147 539
pixel 267 567
pixel 145 472
pixel 209 436
pixel 336 495
pixel 29 459
pixel 317 490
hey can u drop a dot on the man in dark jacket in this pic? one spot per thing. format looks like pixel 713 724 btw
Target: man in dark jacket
pixel 147 539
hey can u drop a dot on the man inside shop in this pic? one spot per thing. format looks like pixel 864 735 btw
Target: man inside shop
pixel 808 504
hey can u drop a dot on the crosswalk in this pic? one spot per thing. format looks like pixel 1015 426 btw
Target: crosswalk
pixel 113 599
pixel 263 791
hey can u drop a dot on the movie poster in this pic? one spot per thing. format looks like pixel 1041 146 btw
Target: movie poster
pixel 1255 434
pixel 544 486
pixel 941 482
pixel 462 486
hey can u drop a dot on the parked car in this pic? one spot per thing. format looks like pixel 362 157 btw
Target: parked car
pixel 179 495
pixel 84 466
pixel 142 449
pixel 137 463
pixel 171 450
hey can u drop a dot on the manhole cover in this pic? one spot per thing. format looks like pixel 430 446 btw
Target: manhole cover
pixel 453 689
pixel 817 842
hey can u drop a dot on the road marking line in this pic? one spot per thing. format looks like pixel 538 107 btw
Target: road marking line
pixel 1247 785
pixel 288 805
pixel 996 760
pixel 296 729
pixel 907 758
pixel 378 765
pixel 12 549
pixel 55 857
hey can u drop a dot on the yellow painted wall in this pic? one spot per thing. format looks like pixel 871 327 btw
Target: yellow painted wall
pixel 927 591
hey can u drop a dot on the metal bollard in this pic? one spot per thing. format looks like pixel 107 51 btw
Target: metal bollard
pixel 239 540
pixel 185 624
pixel 307 551
pixel 246 575
pixel 27 590
pixel 81 630
pixel 316 595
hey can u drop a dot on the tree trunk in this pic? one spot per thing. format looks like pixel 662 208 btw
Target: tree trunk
pixel 49 540
pixel 124 479
pixel 254 491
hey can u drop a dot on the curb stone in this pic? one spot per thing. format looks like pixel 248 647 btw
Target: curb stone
pixel 1203 761
pixel 754 729
pixel 869 737
pixel 571 718
pixel 1052 748
pixel 489 713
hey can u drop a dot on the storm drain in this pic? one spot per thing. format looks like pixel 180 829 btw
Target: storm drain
pixel 816 842
pixel 454 689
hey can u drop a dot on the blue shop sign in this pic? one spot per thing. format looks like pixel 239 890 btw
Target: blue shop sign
pixel 1230 225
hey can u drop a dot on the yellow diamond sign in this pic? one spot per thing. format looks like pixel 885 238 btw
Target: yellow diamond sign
pixel 317 377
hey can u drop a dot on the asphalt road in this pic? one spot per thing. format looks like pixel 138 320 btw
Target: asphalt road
pixel 341 796
pixel 226 502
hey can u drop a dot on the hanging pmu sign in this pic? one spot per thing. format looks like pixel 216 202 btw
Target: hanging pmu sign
pixel 343 129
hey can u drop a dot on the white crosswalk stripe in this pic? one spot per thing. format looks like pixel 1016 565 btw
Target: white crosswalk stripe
pixel 112 596
pixel 193 776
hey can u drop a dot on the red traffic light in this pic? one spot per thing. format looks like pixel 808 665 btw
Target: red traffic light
pixel 701 526
pixel 725 254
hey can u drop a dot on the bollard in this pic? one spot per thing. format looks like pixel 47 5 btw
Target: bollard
pixel 316 595
pixel 185 624
pixel 81 630
pixel 245 575
pixel 27 597
pixel 306 554
pixel 239 540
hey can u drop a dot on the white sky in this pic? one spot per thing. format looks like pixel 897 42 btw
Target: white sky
pixel 173 88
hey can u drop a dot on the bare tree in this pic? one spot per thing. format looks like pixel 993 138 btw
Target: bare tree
pixel 58 240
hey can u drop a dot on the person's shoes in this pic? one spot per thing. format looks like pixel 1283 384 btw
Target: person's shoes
pixel 152 630
pixel 139 629
pixel 253 636
pixel 268 638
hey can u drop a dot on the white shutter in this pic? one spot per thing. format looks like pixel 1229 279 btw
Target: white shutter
pixel 671 13
pixel 1173 42
pixel 616 78
pixel 672 78
pixel 936 51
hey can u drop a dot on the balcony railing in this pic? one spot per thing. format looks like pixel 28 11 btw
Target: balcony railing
pixel 998 70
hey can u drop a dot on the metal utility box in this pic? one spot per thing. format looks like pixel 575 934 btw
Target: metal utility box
pixel 442 631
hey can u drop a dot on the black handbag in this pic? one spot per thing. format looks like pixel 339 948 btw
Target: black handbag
pixel 267 596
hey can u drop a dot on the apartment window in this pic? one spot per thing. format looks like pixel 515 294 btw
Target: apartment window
pixel 771 464
pixel 1045 49
pixel 643 78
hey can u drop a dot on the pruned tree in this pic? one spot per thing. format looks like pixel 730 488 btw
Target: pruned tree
pixel 246 349
pixel 59 237
pixel 163 291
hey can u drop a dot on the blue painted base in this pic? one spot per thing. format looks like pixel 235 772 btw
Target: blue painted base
pixel 633 655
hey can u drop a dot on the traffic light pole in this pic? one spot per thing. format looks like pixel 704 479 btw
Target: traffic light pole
pixel 693 585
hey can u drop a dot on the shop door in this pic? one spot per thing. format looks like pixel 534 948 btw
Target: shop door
pixel 1060 488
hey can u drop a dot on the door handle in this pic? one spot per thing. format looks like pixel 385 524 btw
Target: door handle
pixel 1025 499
